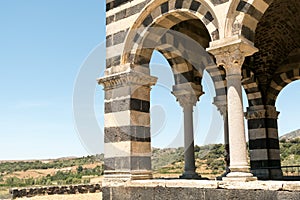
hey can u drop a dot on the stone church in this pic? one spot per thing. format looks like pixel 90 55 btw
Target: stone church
pixel 250 44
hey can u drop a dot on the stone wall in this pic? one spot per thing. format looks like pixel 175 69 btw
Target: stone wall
pixel 120 16
pixel 203 190
pixel 51 190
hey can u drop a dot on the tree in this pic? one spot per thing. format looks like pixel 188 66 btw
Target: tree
pixel 79 169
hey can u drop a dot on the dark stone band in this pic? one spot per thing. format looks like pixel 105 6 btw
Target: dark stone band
pixel 127 133
pixel 127 104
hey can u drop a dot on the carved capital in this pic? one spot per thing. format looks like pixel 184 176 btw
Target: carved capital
pixel 231 58
pixel 130 78
pixel 187 94
pixel 187 99
pixel 258 114
pixel 271 112
pixel 261 112
pixel 231 52
pixel 255 112
pixel 221 106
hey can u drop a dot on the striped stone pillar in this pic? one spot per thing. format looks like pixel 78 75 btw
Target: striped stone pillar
pixel 127 148
pixel 273 142
pixel 263 142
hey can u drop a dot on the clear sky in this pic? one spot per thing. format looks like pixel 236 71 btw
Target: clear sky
pixel 43 47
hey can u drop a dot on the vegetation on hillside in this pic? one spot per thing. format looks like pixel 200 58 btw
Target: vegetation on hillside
pixel 64 173
pixel 209 161
pixel 290 152
pixel 59 178
pixel 9 167
pixel 210 158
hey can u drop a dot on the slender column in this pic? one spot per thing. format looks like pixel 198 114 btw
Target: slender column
pixel 237 140
pixel 222 107
pixel 187 100
pixel 226 141
pixel 231 57
pixel 189 156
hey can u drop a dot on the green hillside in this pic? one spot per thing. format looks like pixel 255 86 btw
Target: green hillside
pixel 209 162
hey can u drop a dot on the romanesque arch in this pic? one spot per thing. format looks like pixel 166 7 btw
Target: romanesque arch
pixel 167 15
pixel 286 74
pixel 244 16
pixel 163 26
pixel 135 28
pixel 162 16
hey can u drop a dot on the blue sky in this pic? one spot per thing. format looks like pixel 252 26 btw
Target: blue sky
pixel 43 46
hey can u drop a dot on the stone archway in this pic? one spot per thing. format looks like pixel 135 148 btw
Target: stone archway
pixel 243 28
pixel 128 82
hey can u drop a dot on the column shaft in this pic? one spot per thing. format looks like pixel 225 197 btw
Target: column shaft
pixel 226 143
pixel 189 155
pixel 221 104
pixel 237 139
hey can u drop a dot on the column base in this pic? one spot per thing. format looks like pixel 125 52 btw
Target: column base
pixel 191 175
pixel 219 178
pixel 239 176
pixel 127 175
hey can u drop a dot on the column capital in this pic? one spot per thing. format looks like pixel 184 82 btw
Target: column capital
pixel 126 68
pixel 129 78
pixel 188 99
pixel 271 112
pixel 187 94
pixel 255 112
pixel 231 52
pixel 221 104
pixel 222 107
pixel 261 111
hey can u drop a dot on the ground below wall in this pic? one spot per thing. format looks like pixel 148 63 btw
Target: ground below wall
pixel 202 190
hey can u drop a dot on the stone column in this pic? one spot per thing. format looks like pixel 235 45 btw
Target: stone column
pixel 127 148
pixel 222 107
pixel 231 55
pixel 187 99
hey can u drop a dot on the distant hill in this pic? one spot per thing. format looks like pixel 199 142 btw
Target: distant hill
pixel 42 160
pixel 291 136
